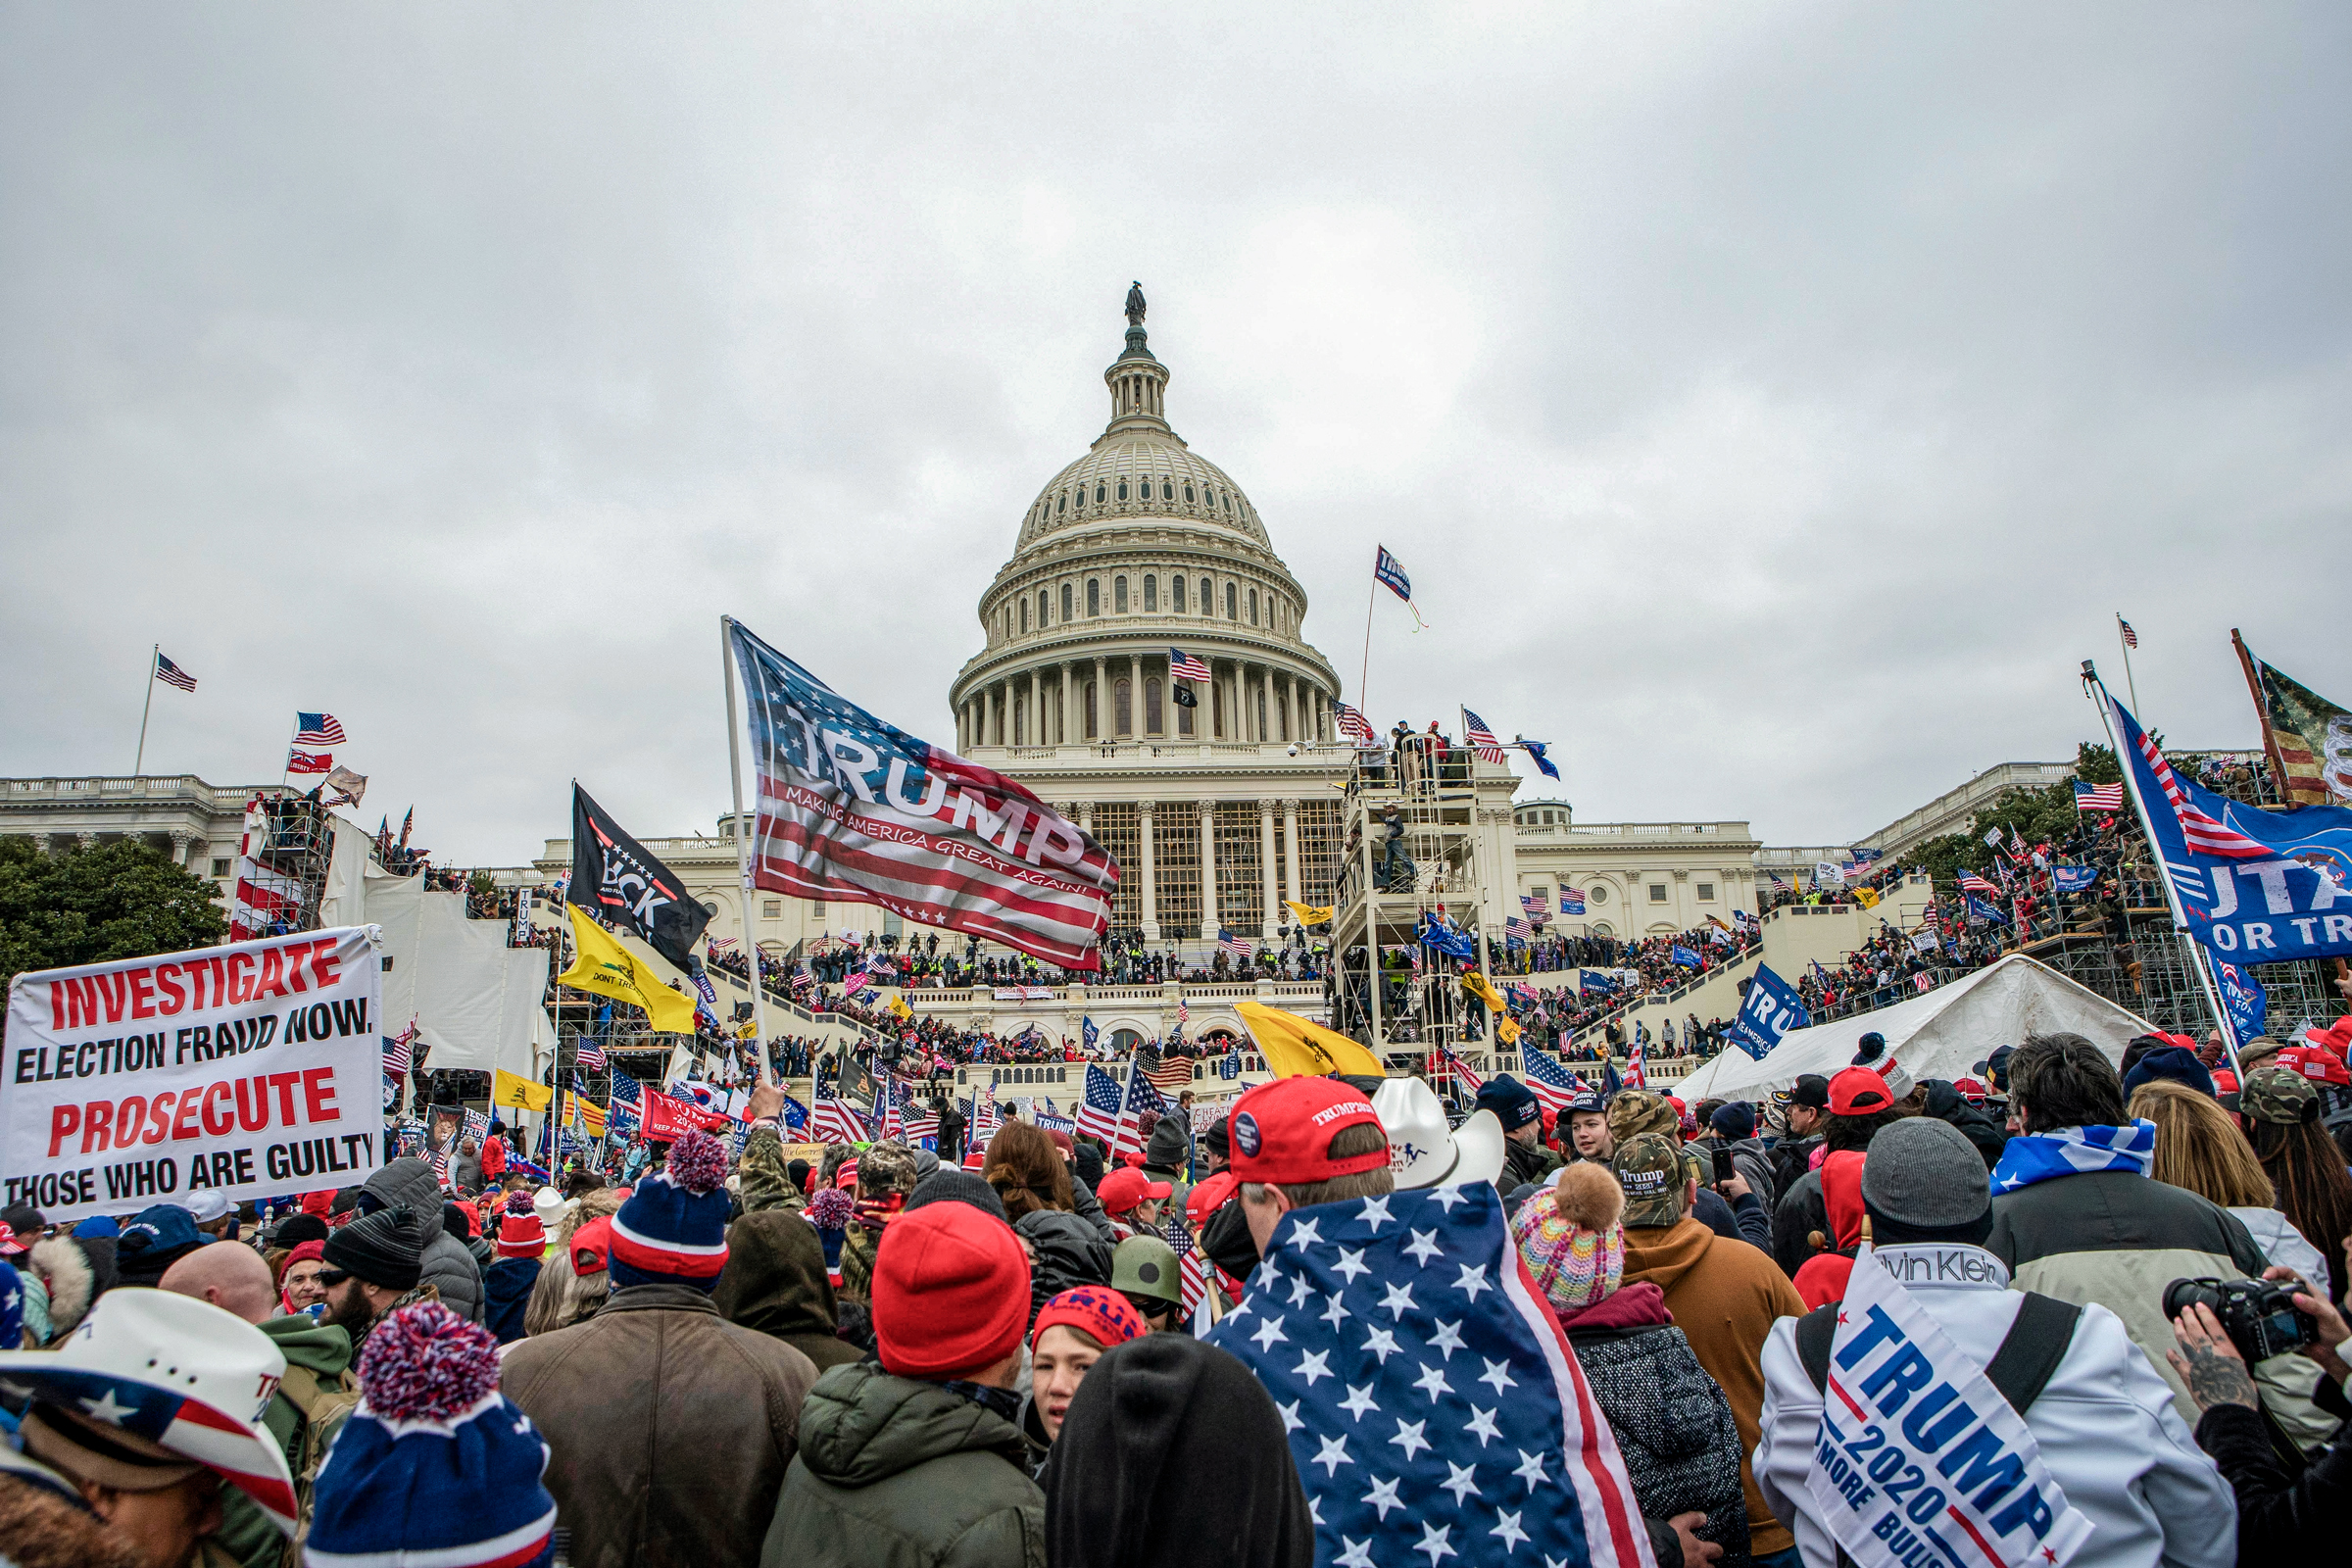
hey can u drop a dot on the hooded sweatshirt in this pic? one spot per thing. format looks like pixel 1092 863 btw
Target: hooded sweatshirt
pixel 1725 1296
pixel 1822 1278
pixel 448 1266
pixel 774 1283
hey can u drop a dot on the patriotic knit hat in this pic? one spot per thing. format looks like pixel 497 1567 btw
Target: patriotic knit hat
pixel 673 1229
pixel 519 1232
pixel 435 1467
pixel 1571 1237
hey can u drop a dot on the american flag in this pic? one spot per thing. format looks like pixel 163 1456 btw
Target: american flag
pixel 1482 739
pixel 1970 882
pixel 931 836
pixel 1099 1112
pixel 590 1056
pixel 625 1089
pixel 1145 1105
pixel 721 943
pixel 1172 1075
pixel 1635 1077
pixel 1919 982
pixel 1554 1084
pixel 920 1124
pixel 440 1164
pixel 1191 1269
pixel 2098 797
pixel 301 761
pixel 1535 903
pixel 317 729
pixel 1461 1070
pixel 397 1052
pixel 2130 637
pixel 1353 725
pixel 2205 834
pixel 1506 1448
pixel 171 675
pixel 1184 1013
pixel 1516 926
pixel 1184 666
pixel 836 1121
pixel 1239 946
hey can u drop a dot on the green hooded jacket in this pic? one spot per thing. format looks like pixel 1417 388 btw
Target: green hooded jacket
pixel 765 1183
pixel 893 1473
pixel 324 1351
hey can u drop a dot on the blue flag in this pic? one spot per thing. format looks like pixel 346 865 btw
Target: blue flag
pixel 1229 1066
pixel 1772 1009
pixel 1087 1031
pixel 795 1115
pixel 1535 750
pixel 2073 878
pixel 1684 956
pixel 2254 886
pixel 1610 1084
pixel 2243 999
pixel 1411 1448
pixel 1979 909
pixel 1598 981
pixel 1434 933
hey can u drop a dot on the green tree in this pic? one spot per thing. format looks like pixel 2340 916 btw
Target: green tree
pixel 91 905
pixel 2036 815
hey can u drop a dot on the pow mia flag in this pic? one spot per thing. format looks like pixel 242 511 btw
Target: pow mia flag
pixel 613 876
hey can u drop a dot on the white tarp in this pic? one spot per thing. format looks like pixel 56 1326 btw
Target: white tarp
pixel 475 1000
pixel 1939 1033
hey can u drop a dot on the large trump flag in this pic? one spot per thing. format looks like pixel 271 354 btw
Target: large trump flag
pixel 854 810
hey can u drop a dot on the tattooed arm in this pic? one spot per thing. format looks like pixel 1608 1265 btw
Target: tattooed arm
pixel 2208 1363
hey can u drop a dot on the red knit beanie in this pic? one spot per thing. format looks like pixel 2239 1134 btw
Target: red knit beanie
pixel 950 1293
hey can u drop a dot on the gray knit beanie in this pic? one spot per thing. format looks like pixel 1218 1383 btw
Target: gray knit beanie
pixel 1926 1174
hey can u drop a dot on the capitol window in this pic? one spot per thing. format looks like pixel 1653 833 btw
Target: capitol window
pixel 1045 606
pixel 1152 708
pixel 1228 501
pixel 1187 493
pixel 1208 597
pixel 1658 893
pixel 1706 893
pixel 1024 615
pixel 1176 595
pixel 1099 495
pixel 1065 601
pixel 1122 707
pixel 1229 600
pixel 1167 490
pixel 1151 594
pixel 1094 597
pixel 1118 595
pixel 1252 606
pixel 1598 894
pixel 1122 489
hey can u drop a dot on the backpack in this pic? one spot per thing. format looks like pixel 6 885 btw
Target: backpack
pixel 323 1406
pixel 2022 1366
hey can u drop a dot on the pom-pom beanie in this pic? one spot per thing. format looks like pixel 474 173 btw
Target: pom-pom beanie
pixel 950 1293
pixel 519 1233
pixel 435 1465
pixel 1571 1236
pixel 673 1229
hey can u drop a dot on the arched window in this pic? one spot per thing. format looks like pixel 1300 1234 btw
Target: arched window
pixel 1062 503
pixel 1152 708
pixel 1090 710
pixel 1122 707
pixel 1024 612
pixel 1118 595
pixel 1099 495
pixel 1228 501
pixel 1094 597
pixel 1176 595
pixel 1065 601
pixel 1261 710
pixel 1188 492
pixel 1045 608
pixel 1168 489
pixel 1229 613
pixel 1252 606
pixel 1150 595
pixel 1122 489
pixel 1208 597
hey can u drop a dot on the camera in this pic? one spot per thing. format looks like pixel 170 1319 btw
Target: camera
pixel 2259 1316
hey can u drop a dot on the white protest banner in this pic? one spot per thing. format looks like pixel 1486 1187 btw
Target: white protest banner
pixel 1918 1459
pixel 248 1071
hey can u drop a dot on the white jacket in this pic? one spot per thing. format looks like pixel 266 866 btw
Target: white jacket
pixel 2282 1243
pixel 2104 1422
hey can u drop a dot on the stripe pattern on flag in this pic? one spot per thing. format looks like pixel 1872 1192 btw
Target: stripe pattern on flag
pixel 1481 740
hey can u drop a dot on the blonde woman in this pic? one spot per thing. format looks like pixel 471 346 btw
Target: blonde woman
pixel 562 1296
pixel 2199 1147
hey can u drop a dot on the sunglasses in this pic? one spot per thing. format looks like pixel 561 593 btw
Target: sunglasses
pixel 330 1278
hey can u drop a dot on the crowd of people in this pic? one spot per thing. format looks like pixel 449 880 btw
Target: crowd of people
pixel 1192 1349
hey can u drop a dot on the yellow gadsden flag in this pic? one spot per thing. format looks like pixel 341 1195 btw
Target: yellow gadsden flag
pixel 518 1093
pixel 898 1009
pixel 1479 985
pixel 1308 915
pixel 1296 1049
pixel 605 967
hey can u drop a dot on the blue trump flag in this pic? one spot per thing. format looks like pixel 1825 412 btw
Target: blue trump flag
pixel 2243 999
pixel 1979 909
pixel 2073 878
pixel 1455 1414
pixel 2253 886
pixel 1770 1010
pixel 1596 980
pixel 1434 933
pixel 1088 1030
pixel 1684 956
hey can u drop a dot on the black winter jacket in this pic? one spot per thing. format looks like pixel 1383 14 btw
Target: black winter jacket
pixel 1070 1253
pixel 2280 1518
pixel 1945 1104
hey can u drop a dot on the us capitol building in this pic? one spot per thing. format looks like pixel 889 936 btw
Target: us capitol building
pixel 1216 811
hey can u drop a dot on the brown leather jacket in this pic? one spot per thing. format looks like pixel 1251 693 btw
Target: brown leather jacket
pixel 669 1429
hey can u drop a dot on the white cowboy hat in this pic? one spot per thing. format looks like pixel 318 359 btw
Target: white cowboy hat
pixel 1423 1152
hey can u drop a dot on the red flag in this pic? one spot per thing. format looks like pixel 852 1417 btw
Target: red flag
pixel 311 763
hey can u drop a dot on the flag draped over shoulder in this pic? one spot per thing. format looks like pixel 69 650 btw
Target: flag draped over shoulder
pixel 1431 1401
pixel 854 810
pixel 605 967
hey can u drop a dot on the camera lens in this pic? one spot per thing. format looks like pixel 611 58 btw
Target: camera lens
pixel 2182 1294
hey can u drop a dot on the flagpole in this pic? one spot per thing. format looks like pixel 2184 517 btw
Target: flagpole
pixel 1363 675
pixel 157 653
pixel 2128 682
pixel 743 850
pixel 2262 718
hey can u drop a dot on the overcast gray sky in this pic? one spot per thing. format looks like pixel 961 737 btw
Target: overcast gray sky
pixel 1772 404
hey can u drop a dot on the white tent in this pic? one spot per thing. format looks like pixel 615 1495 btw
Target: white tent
pixel 1940 1034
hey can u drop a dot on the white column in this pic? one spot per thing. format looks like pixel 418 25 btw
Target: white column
pixel 1145 811
pixel 1135 696
pixel 1265 863
pixel 1102 702
pixel 1289 850
pixel 1209 870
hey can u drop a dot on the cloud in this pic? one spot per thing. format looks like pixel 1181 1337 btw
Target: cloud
pixel 1773 407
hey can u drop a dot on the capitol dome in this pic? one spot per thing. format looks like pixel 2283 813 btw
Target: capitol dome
pixel 1138 548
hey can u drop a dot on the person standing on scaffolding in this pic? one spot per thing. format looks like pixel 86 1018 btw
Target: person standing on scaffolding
pixel 1396 867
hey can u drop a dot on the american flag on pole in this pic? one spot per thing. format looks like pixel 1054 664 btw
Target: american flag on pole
pixel 397 1049
pixel 1145 1106
pixel 1635 1077
pixel 1354 726
pixel 720 944
pixel 2130 637
pixel 1535 903
pixel 875 815
pixel 1191 1270
pixel 1482 739
pixel 1169 1074
pixel 2203 832
pixel 1461 1070
pixel 2098 797
pixel 317 729
pixel 171 675
pixel 1515 925
pixel 1239 946
pixel 1098 1111
pixel 1970 882
pixel 1184 666
pixel 834 1120
pixel 1554 1084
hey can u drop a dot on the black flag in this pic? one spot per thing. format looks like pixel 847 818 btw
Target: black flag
pixel 614 876
pixel 1183 695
